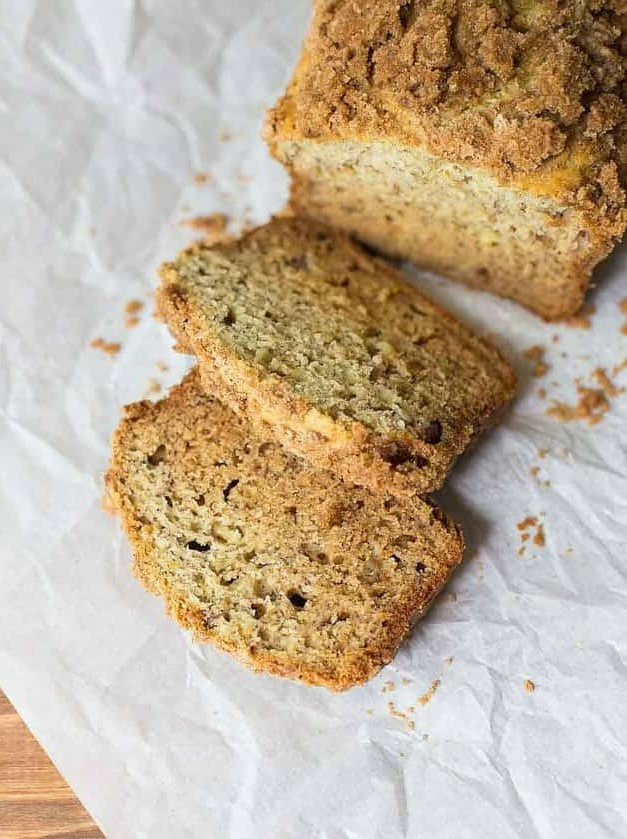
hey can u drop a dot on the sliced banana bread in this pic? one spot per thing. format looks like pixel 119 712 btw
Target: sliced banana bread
pixel 345 360
pixel 484 140
pixel 285 566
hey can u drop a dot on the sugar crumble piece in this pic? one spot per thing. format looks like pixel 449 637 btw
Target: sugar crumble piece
pixel 535 353
pixel 529 686
pixel 131 321
pixel 428 695
pixel 201 178
pixel 388 687
pixel 107 347
pixel 591 407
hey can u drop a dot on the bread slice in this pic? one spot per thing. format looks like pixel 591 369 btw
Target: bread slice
pixel 349 365
pixel 482 140
pixel 286 567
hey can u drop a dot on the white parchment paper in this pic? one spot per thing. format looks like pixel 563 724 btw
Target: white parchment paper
pixel 107 110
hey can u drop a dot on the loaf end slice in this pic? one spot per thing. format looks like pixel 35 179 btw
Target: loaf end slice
pixel 342 358
pixel 281 565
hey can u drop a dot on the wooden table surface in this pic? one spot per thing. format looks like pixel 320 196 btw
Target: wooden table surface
pixel 35 801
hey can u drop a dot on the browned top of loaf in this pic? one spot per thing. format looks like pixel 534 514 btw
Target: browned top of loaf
pixel 286 567
pixel 347 362
pixel 532 90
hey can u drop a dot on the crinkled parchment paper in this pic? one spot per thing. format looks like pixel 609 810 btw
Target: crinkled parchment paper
pixel 107 112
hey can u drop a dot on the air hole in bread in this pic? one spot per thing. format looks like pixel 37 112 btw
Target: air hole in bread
pixel 229 488
pixel 157 457
pixel 399 454
pixel 193 545
pixel 433 433
pixel 296 599
pixel 421 567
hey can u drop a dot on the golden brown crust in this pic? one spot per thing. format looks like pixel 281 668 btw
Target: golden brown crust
pixel 226 526
pixel 463 381
pixel 532 91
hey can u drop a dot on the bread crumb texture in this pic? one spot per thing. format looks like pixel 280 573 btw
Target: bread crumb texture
pixel 344 360
pixel 528 89
pixel 285 567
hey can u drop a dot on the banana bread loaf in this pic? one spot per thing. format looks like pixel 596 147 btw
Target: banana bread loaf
pixel 481 139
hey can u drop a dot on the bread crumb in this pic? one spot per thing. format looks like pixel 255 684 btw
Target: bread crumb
pixel 224 136
pixel 539 539
pixel 153 387
pixel 583 319
pixel 529 686
pixel 521 550
pixel 393 711
pixel 622 305
pixel 388 687
pixel 623 329
pixel 213 227
pixel 107 347
pixel 542 453
pixel 618 368
pixel 411 725
pixel 369 711
pixel 406 682
pixel 452 596
pixel 428 695
pixel 606 383
pixel 425 736
pixel 555 338
pixel 133 307
pixel 162 366
pixel 541 393
pixel 449 660
pixel 529 521
pixel 535 353
pixel 591 407
pixel 201 177
pixel 533 471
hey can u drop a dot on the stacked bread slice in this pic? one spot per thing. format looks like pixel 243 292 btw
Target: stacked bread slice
pixel 277 498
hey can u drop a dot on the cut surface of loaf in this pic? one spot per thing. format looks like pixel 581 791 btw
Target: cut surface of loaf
pixel 482 140
pixel 343 359
pixel 286 567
